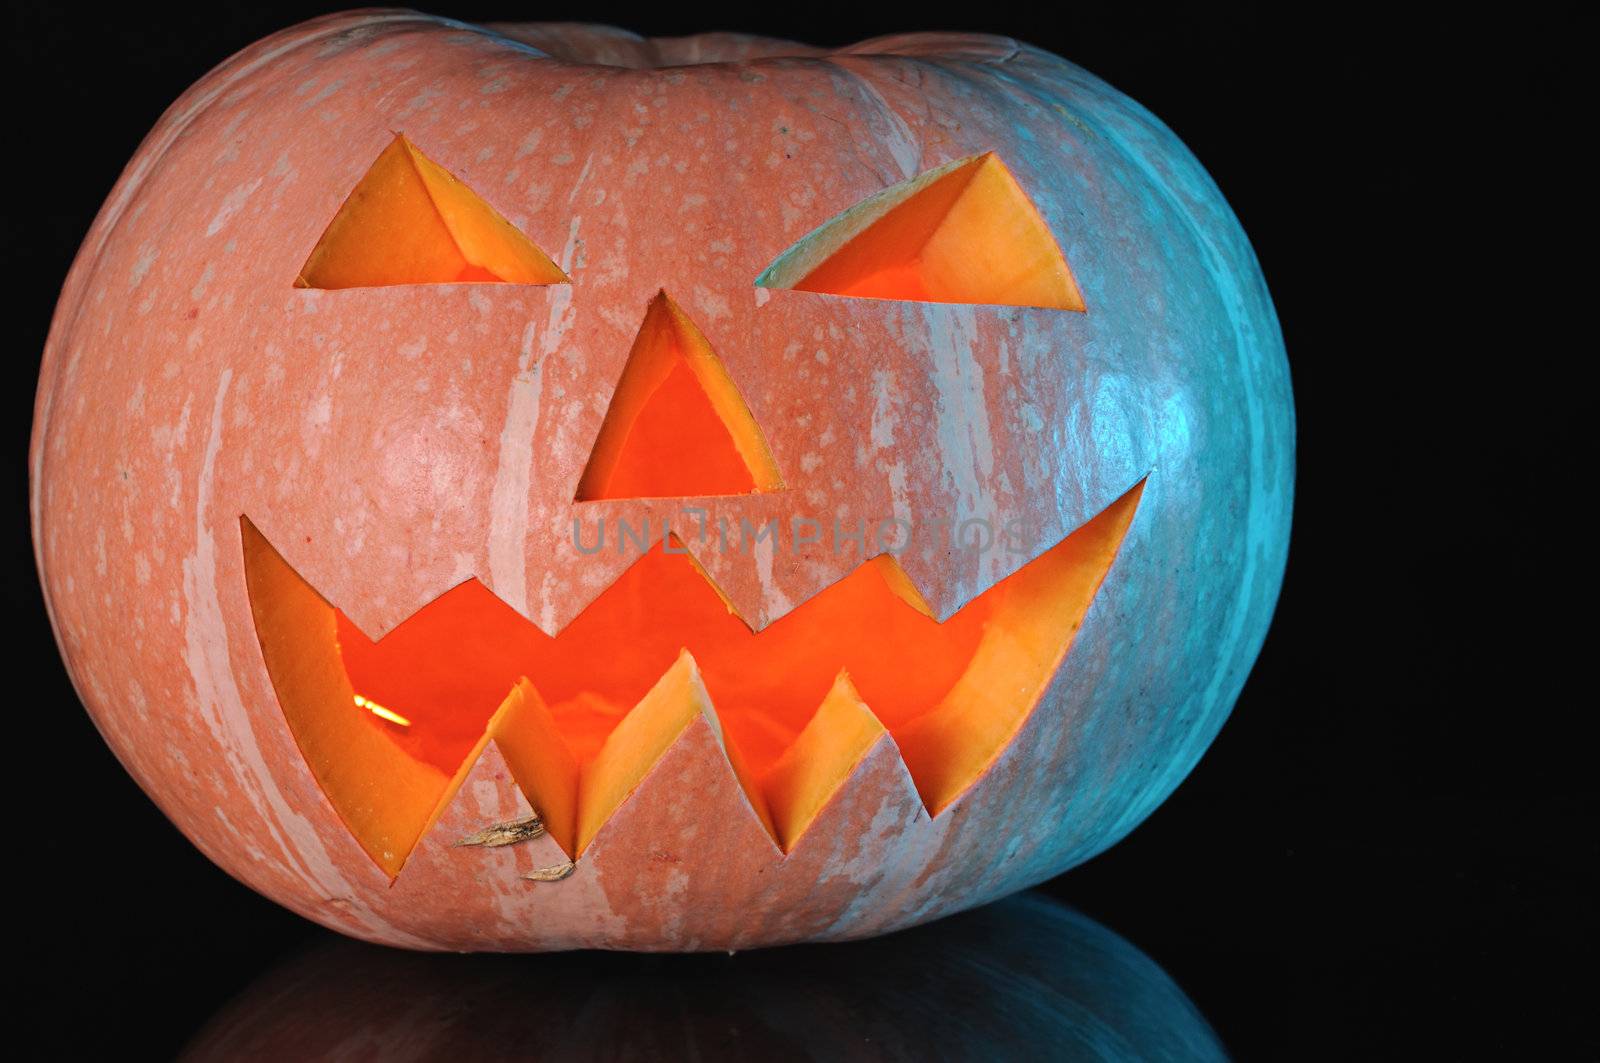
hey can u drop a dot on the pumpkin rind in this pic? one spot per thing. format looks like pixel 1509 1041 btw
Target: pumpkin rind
pixel 392 442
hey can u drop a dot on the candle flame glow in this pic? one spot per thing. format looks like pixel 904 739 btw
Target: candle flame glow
pixel 381 712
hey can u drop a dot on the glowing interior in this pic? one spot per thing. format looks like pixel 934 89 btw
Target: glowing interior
pixel 677 425
pixel 966 233
pixel 409 221
pixel 582 716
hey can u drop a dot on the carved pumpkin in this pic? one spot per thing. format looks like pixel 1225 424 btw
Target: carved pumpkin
pixel 748 493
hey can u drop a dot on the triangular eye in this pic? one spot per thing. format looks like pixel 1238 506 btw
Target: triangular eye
pixel 409 221
pixel 963 233
pixel 677 426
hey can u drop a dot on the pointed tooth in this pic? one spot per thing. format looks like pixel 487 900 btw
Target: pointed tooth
pixel 939 584
pixel 748 782
pixel 540 761
pixel 520 705
pixel 677 703
pixel 487 794
pixel 684 858
pixel 840 733
pixel 952 745
pixel 901 584
pixel 469 764
pixel 868 839
pixel 675 545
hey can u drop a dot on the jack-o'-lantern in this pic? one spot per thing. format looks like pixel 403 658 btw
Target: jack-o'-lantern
pixel 533 487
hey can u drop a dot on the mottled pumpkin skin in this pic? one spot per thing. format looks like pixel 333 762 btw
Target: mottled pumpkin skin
pixel 394 441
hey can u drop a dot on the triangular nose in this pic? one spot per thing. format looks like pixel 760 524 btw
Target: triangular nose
pixel 677 425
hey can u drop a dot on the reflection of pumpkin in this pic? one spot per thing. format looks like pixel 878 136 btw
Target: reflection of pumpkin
pixel 1022 979
pixel 386 303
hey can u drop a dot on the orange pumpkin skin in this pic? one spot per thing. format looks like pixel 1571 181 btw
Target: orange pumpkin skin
pixel 391 442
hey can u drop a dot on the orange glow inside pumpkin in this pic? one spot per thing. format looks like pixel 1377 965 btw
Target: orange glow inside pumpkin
pixel 765 685
pixel 583 715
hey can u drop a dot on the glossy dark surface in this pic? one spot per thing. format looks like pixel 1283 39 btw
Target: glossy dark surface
pixel 1025 976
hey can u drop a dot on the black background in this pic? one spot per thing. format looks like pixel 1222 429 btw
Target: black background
pixel 1386 846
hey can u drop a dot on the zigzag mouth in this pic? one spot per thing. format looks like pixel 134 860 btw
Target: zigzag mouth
pixel 390 728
